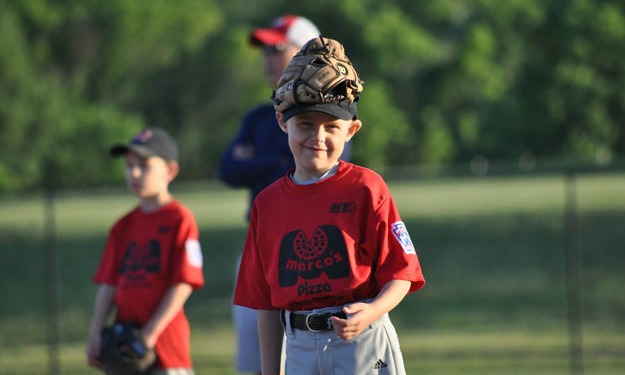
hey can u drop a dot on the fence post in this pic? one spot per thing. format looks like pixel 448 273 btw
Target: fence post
pixel 573 274
pixel 51 274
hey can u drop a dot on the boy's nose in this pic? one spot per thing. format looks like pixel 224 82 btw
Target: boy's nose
pixel 320 133
pixel 135 172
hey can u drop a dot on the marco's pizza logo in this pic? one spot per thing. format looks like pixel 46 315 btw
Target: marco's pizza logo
pixel 144 257
pixel 308 257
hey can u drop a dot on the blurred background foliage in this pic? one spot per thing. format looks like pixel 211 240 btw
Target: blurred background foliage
pixel 446 81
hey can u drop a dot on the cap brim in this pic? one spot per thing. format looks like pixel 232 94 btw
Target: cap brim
pixel 267 37
pixel 120 150
pixel 328 108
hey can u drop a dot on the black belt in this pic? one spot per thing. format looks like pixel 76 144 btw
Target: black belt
pixel 313 322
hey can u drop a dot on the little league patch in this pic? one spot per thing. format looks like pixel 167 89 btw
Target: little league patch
pixel 401 235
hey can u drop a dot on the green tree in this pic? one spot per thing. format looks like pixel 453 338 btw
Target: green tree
pixel 445 81
pixel 73 75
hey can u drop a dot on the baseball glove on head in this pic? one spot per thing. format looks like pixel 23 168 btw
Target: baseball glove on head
pixel 320 77
pixel 123 351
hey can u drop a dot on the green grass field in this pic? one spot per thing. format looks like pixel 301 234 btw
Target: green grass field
pixel 492 249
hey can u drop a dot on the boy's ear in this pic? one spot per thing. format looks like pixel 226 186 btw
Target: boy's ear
pixel 281 123
pixel 173 168
pixel 354 127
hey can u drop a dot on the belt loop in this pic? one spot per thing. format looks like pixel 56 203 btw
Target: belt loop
pixel 288 328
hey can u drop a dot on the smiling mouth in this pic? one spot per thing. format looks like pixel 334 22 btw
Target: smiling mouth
pixel 316 149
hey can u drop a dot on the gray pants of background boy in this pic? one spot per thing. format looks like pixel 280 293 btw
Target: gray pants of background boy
pixel 375 351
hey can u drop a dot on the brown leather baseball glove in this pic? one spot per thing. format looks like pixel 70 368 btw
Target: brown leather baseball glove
pixel 319 73
pixel 123 351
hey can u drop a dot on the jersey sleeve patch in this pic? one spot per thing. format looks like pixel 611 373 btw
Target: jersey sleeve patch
pixel 194 253
pixel 401 235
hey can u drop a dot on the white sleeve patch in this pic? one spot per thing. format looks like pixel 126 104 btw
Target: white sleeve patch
pixel 194 253
pixel 401 235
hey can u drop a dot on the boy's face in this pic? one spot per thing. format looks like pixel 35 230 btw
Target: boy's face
pixel 317 141
pixel 149 178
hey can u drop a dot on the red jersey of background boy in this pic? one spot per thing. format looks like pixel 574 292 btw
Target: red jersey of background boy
pixel 146 253
pixel 331 243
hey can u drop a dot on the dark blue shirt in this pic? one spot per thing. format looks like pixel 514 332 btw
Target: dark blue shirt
pixel 272 156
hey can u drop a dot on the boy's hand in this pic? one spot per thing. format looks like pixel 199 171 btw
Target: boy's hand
pixel 149 336
pixel 360 315
pixel 243 152
pixel 93 351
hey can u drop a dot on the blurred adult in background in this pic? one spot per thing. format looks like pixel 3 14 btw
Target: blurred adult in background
pixel 259 154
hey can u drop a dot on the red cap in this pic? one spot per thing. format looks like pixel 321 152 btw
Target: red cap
pixel 284 30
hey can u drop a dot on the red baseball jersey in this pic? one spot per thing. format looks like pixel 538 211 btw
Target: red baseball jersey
pixel 146 253
pixel 331 243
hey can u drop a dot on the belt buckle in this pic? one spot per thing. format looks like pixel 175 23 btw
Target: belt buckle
pixel 313 315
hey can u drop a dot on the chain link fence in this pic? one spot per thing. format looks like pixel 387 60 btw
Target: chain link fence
pixel 505 252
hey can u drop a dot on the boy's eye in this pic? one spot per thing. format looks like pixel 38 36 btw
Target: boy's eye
pixel 305 125
pixel 142 166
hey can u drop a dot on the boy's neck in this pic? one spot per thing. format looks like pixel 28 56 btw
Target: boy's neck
pixel 329 173
pixel 152 204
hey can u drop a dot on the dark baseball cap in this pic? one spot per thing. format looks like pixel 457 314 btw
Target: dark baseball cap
pixel 149 142
pixel 343 110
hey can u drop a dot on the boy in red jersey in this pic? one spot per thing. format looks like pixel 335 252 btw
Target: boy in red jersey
pixel 327 255
pixel 152 260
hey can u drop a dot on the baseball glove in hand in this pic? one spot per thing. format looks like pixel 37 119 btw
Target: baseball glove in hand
pixel 319 73
pixel 123 351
